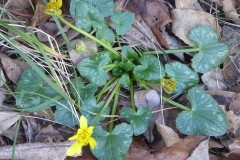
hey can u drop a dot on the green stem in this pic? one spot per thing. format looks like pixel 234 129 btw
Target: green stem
pixel 109 48
pixel 132 95
pixel 115 103
pixel 175 104
pixel 15 136
pixel 104 89
pixel 118 41
pixel 174 51
pixel 106 104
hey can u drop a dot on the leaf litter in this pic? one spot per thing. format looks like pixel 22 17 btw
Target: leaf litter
pixel 152 19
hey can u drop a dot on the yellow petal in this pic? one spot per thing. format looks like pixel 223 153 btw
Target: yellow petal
pixel 83 123
pixel 92 143
pixel 75 148
pixel 73 138
pixel 90 130
pixel 59 3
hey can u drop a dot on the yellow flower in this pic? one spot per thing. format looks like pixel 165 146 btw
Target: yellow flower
pixel 53 7
pixel 83 138
pixel 168 85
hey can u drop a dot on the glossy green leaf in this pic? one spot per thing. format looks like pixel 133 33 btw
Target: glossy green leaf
pixel 211 52
pixel 112 145
pixel 122 67
pixel 150 69
pixel 64 115
pixel 185 77
pixel 125 80
pixel 31 92
pixel 92 68
pixel 90 109
pixel 123 21
pixel 205 117
pixel 86 15
pixel 139 120
pixel 85 92
pixel 106 35
pixel 105 7
pixel 128 54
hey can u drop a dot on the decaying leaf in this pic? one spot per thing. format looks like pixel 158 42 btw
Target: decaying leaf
pixel 231 36
pixel 214 80
pixel 234 105
pixel 12 67
pixel 48 134
pixel 230 10
pixel 49 28
pixel 188 4
pixel 37 151
pixel 233 120
pixel 138 151
pixel 154 13
pixel 182 149
pixel 185 19
pixel 201 152
pixel 7 119
pixel 39 16
pixel 169 136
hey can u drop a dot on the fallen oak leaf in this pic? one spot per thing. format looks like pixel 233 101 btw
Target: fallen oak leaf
pixel 36 151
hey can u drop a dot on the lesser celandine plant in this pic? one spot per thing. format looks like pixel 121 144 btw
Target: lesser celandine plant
pixel 109 71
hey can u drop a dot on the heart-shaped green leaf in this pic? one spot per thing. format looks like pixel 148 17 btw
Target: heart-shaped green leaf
pixel 112 145
pixel 128 54
pixel 205 117
pixel 139 120
pixel 32 94
pixel 150 69
pixel 185 77
pixel 123 21
pixel 105 7
pixel 211 52
pixel 92 68
pixel 85 92
pixel 105 34
pixel 86 15
pixel 64 115
pixel 90 109
pixel 125 80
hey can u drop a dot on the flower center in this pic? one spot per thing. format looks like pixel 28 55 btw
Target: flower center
pixel 83 137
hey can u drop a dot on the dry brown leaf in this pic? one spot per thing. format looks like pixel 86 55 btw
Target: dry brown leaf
pixel 37 151
pixel 222 97
pixel 39 16
pixel 48 134
pixel 30 128
pixel 233 120
pixel 188 4
pixel 214 80
pixel 23 4
pixel 201 152
pixel 13 67
pixel 138 150
pixel 76 57
pixel 169 136
pixel 49 28
pixel 154 13
pixel 7 119
pixel 231 35
pixel 140 33
pixel 234 105
pixel 181 150
pixel 230 10
pixel 185 19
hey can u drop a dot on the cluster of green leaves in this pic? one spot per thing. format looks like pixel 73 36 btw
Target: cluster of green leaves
pixel 91 14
